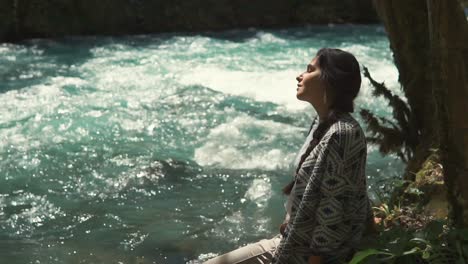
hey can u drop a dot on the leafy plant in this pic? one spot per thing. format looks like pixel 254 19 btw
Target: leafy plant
pixel 400 138
pixel 435 243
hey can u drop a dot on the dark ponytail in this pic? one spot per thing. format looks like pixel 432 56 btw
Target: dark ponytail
pixel 341 73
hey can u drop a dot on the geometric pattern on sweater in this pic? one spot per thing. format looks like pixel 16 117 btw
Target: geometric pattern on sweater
pixel 330 204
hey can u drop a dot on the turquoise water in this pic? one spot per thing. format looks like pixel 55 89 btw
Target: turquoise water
pixel 160 148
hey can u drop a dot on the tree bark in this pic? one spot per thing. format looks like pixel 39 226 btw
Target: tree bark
pixel 448 36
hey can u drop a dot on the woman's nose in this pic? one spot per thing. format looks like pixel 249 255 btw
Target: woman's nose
pixel 298 78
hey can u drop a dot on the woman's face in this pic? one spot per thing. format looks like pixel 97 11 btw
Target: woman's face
pixel 310 87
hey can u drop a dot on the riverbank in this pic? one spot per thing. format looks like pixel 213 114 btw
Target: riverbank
pixel 48 18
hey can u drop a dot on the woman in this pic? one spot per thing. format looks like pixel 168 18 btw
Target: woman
pixel 328 208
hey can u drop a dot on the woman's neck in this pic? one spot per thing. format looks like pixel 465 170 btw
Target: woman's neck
pixel 322 113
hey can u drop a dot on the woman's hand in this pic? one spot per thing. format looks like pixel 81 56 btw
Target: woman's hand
pixel 315 260
pixel 372 225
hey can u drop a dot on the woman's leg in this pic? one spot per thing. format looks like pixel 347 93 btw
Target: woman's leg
pixel 256 253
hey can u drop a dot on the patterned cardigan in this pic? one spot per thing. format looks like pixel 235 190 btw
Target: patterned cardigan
pixel 330 204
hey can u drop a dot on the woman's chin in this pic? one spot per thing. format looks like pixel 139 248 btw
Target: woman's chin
pixel 299 96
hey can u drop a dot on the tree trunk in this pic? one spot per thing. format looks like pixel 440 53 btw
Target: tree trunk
pixel 406 26
pixel 448 36
pixel 429 43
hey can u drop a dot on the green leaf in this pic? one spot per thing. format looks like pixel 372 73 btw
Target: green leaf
pixel 412 251
pixel 426 254
pixel 361 255
pixel 415 191
pixel 417 239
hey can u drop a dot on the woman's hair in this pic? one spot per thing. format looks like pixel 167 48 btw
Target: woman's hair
pixel 342 76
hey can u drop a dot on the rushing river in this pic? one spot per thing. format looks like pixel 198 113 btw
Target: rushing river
pixel 165 148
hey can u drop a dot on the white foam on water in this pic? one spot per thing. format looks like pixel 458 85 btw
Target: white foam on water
pixel 122 78
pixel 123 69
pixel 278 84
pixel 273 86
pixel 33 106
pixel 127 72
pixel 380 65
pixel 259 191
pixel 38 99
pixel 231 145
pixel 265 38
